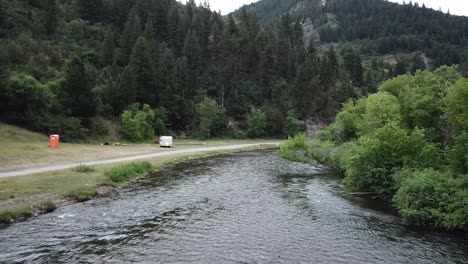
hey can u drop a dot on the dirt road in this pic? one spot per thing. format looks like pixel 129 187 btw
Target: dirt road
pixel 56 167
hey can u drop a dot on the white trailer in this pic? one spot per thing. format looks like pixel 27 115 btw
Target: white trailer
pixel 165 142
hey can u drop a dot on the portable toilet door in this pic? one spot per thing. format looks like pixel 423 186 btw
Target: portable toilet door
pixel 54 141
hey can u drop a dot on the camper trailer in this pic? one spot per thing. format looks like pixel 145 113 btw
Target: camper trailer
pixel 165 142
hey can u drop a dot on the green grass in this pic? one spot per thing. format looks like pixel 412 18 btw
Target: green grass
pixel 129 171
pixel 84 169
pixel 46 206
pixel 81 194
pixel 7 216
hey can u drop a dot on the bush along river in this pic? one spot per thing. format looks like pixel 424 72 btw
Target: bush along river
pixel 240 208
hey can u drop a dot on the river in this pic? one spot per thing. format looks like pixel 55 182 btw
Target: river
pixel 240 208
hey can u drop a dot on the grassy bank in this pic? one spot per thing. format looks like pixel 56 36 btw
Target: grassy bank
pixel 20 148
pixel 19 196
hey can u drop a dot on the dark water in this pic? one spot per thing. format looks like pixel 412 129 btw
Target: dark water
pixel 240 208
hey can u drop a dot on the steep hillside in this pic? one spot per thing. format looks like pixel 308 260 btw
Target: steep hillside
pixel 375 26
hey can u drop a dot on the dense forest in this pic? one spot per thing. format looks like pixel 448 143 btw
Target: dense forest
pixel 377 27
pixel 151 67
pixel 69 65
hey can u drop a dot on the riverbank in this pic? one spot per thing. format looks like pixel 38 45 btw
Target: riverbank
pixel 31 195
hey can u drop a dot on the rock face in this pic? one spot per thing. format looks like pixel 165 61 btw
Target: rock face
pixel 311 35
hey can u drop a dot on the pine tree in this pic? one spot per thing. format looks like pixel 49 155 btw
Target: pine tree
pixel 78 97
pixel 129 36
pixel 192 52
pixel 108 48
pixel 91 10
pixel 124 93
pixel 173 29
pixel 51 17
pixel 142 66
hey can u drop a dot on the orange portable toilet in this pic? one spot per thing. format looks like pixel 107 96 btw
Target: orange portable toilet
pixel 54 141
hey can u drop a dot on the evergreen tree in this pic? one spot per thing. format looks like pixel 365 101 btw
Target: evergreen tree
pixel 108 48
pixel 129 36
pixel 78 97
pixel 90 10
pixel 142 66
pixel 192 52
pixel 124 93
pixel 51 17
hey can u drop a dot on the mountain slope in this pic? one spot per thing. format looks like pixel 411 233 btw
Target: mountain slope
pixel 378 27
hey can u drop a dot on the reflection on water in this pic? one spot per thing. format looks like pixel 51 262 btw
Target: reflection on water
pixel 240 208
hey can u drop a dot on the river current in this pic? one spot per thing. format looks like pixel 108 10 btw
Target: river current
pixel 240 208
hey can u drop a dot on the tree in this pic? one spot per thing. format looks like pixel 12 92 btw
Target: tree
pixel 457 104
pixel 142 67
pixel 211 118
pixel 108 48
pixel 122 93
pixel 90 10
pixel 137 123
pixel 293 126
pixel 192 52
pixel 78 96
pixel 257 125
pixel 129 36
pixel 51 17
pixel 28 96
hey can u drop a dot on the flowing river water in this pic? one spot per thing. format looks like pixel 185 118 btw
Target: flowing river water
pixel 241 208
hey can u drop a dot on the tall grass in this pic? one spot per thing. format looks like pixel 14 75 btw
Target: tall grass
pixel 129 171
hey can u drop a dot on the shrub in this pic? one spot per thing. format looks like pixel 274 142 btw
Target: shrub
pixel 258 124
pixel 332 156
pixel 293 126
pixel 211 118
pixel 379 155
pixel 138 124
pixel 457 104
pixel 430 197
pixel 297 148
pixel 458 155
pixel 70 129
pixel 129 171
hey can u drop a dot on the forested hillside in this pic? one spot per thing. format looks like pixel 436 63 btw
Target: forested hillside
pixel 67 65
pixel 377 27
pixel 157 66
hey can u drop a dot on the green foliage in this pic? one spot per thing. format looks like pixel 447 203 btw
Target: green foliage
pixel 70 129
pixel 28 95
pixel 331 155
pixel 297 148
pixel 78 96
pixel 6 217
pixel 457 104
pixel 293 126
pixel 138 123
pixel 211 118
pixel 128 172
pixel 257 125
pixel 430 197
pixel 380 154
pixel 458 155
pixel 381 109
